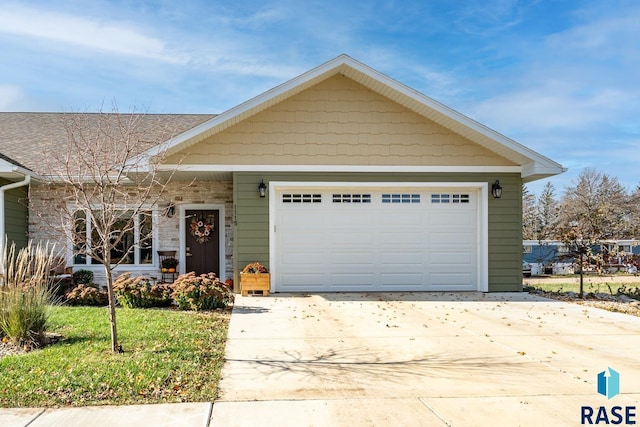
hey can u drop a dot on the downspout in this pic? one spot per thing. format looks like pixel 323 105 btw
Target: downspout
pixel 25 181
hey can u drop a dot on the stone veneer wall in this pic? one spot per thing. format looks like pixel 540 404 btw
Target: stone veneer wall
pixel 43 218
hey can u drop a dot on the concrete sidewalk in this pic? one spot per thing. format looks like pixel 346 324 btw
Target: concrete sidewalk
pixel 165 415
pixel 432 359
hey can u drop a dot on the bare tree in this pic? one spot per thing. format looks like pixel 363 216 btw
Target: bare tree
pixel 107 190
pixel 529 215
pixel 595 209
pixel 547 213
pixel 634 214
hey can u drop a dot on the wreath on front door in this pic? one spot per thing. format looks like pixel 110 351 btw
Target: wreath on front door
pixel 201 229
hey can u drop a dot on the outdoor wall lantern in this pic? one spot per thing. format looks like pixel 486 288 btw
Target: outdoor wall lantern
pixel 496 190
pixel 262 189
pixel 170 211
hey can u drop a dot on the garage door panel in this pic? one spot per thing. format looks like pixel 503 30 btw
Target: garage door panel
pixel 353 239
pixel 302 279
pixel 453 239
pixel 301 220
pixel 399 218
pixel 401 280
pixel 401 258
pixel 411 240
pixel 291 239
pixel 346 220
pixel 451 278
pixel 351 279
pixel 450 218
pixel 397 240
pixel 352 258
pixel 450 258
pixel 292 258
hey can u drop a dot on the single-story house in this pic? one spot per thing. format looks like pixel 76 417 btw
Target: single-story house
pixel 341 179
pixel 552 256
pixel 547 257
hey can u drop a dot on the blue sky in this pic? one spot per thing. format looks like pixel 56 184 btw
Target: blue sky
pixel 559 76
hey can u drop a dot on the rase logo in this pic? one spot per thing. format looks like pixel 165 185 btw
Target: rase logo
pixel 609 386
pixel 609 383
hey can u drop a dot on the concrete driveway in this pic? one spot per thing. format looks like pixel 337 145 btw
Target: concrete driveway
pixel 432 359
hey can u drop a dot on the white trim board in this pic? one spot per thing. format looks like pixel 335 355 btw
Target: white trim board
pixel 340 168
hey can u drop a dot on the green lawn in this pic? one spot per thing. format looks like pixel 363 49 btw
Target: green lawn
pixel 605 288
pixel 170 356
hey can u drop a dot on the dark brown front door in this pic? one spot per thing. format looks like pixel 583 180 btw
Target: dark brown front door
pixel 202 241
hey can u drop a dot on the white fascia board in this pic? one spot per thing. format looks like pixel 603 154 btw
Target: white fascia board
pixel 548 168
pixel 8 167
pixel 340 168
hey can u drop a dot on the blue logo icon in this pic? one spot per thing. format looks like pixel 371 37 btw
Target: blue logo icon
pixel 609 383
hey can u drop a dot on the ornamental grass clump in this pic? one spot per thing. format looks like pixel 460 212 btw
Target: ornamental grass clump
pixel 203 292
pixel 138 292
pixel 25 294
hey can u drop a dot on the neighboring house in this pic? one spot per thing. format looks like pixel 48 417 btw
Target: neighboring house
pixel 552 256
pixel 14 214
pixel 547 257
pixel 368 186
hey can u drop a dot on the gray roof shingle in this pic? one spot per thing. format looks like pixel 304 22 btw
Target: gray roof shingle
pixel 26 139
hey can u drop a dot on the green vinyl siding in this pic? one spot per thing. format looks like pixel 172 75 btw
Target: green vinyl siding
pixel 16 215
pixel 251 219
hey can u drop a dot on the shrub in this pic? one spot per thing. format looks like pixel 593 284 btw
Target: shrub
pixel 87 295
pixel 138 292
pixel 83 277
pixel 630 292
pixel 204 292
pixel 61 286
pixel 25 294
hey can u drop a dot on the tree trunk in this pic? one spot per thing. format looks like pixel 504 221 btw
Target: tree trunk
pixel 115 347
pixel 581 275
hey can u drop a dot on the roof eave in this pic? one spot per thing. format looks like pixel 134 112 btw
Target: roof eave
pixel 538 170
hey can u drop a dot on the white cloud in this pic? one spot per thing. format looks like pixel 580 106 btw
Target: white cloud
pixel 552 106
pixel 10 97
pixel 108 36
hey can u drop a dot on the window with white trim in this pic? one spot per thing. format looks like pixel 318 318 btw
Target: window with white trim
pixel 134 248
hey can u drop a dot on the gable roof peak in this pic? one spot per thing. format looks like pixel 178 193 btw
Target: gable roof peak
pixel 533 165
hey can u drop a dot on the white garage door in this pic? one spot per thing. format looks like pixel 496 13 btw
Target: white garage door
pixel 375 239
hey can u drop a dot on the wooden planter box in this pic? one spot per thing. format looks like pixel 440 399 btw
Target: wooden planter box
pixel 255 282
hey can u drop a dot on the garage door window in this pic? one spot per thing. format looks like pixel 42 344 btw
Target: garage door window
pixel 400 198
pixel 351 198
pixel 449 198
pixel 302 198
